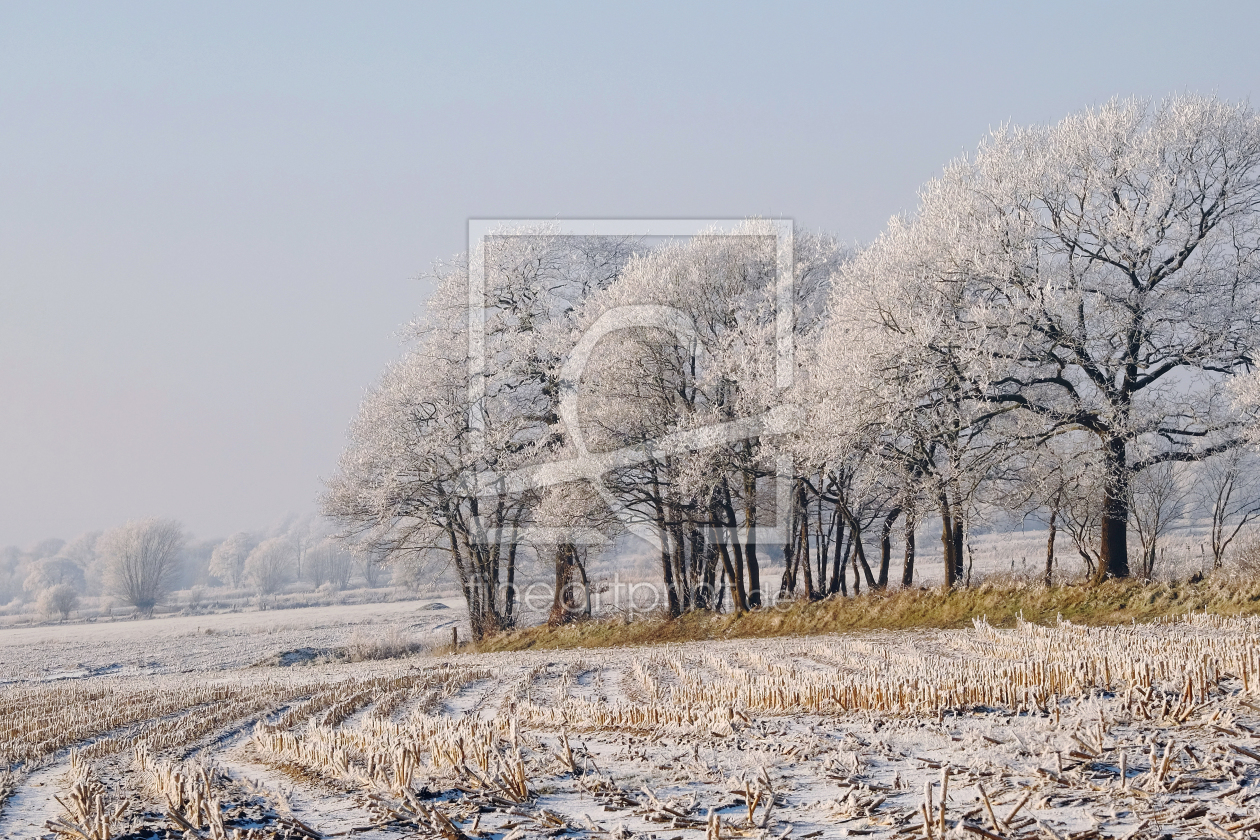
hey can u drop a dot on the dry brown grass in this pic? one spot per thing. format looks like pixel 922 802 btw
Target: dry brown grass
pixel 1000 603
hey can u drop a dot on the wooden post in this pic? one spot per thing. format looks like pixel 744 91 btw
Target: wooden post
pixel 454 639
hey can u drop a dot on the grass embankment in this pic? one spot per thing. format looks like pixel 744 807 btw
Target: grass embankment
pixel 1112 602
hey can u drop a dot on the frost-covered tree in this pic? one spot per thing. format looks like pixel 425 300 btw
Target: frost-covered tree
pixel 1228 490
pixel 58 601
pixel 691 359
pixel 141 557
pixel 227 560
pixel 82 552
pixel 10 573
pixel 896 378
pixel 1115 261
pixel 270 565
pixel 328 562
pixel 53 571
pixel 1157 499
pixel 407 485
pixel 1106 266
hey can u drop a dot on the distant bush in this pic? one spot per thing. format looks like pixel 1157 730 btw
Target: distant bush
pixel 58 601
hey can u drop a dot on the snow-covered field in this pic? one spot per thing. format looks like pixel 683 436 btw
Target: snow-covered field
pixel 1061 732
pixel 216 641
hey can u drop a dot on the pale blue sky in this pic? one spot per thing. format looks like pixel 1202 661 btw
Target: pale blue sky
pixel 212 216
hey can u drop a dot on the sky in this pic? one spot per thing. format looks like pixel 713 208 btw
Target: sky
pixel 216 218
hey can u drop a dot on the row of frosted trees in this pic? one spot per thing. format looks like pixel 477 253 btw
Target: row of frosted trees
pixel 141 562
pixel 1069 318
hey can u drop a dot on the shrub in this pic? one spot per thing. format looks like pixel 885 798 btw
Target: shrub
pixel 58 601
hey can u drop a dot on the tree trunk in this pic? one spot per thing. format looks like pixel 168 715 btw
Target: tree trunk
pixel 960 534
pixel 788 584
pixel 1054 528
pixel 821 543
pixel 708 575
pixel 697 557
pixel 803 544
pixel 859 557
pixel 679 558
pixel 951 541
pixel 563 602
pixel 885 547
pixel 907 566
pixel 728 572
pixel 667 564
pixel 866 567
pixel 509 592
pixel 721 587
pixel 586 584
pixel 750 548
pixel 844 565
pixel 1113 554
pixel 837 572
pixel 737 579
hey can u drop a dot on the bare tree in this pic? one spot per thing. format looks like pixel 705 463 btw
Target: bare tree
pixel 141 558
pixel 227 561
pixel 1229 487
pixel 270 565
pixel 371 566
pixel 329 562
pixel 1157 499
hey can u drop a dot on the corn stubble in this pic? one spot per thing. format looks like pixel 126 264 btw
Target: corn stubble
pixel 1062 733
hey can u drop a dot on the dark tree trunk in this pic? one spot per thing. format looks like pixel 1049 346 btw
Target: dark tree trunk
pixel 667 573
pixel 667 564
pixel 837 574
pixel 737 578
pixel 907 566
pixel 708 576
pixel 951 541
pixel 788 584
pixel 728 572
pixel 585 582
pixel 1113 555
pixel 509 594
pixel 803 543
pixel 721 587
pixel 679 558
pixel 750 548
pixel 866 567
pixel 885 547
pixel 567 602
pixel 1054 529
pixel 820 548
pixel 960 534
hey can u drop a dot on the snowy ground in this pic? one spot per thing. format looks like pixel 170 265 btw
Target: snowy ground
pixel 213 642
pixel 1073 733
